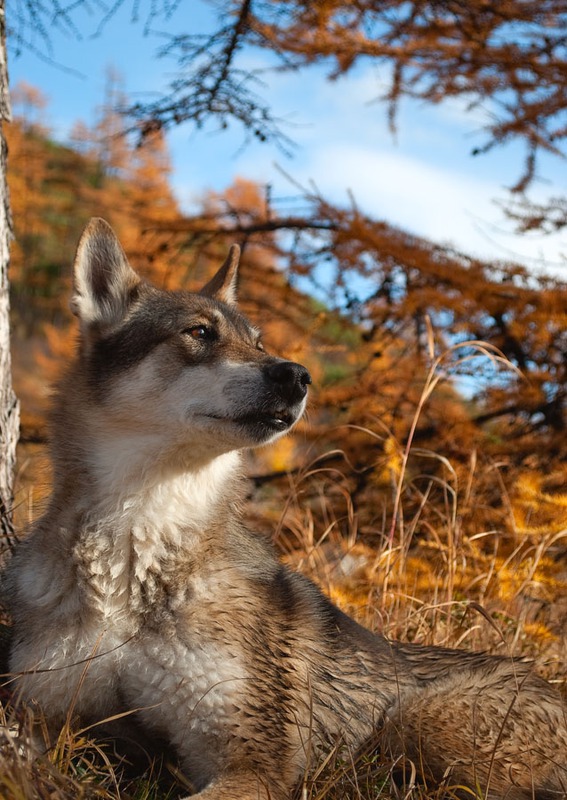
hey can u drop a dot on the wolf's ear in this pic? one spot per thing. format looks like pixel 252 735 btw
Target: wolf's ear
pixel 103 278
pixel 222 285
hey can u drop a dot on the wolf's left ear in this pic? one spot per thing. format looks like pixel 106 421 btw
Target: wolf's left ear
pixel 103 279
pixel 222 285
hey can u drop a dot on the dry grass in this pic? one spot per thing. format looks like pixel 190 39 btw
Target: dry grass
pixel 499 590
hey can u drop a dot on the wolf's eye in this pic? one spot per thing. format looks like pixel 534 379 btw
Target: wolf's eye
pixel 200 332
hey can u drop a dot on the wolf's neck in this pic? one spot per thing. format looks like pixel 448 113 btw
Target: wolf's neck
pixel 131 535
pixel 156 490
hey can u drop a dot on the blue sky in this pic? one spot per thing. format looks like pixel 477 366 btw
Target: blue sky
pixel 424 179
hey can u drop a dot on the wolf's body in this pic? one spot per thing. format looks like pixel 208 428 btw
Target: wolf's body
pixel 140 590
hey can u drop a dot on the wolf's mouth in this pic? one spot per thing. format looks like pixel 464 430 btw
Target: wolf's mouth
pixel 277 421
pixel 274 421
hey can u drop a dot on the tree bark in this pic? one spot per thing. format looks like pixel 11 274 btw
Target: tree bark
pixel 9 408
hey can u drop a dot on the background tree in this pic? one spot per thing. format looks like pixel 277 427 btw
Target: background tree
pixel 507 58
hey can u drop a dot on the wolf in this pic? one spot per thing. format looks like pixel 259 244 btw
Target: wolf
pixel 140 593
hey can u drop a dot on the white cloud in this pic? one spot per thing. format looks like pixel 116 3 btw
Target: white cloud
pixel 426 181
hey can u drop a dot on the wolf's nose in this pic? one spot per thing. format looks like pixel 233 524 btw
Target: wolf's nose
pixel 290 379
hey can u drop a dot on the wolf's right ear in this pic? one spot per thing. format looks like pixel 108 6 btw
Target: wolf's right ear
pixel 103 279
pixel 222 285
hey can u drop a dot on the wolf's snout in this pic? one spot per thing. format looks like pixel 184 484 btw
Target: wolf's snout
pixel 289 380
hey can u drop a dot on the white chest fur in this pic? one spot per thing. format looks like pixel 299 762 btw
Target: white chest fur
pixel 130 562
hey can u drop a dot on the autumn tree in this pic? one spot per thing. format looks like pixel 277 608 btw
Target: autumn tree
pixel 55 189
pixel 28 176
pixel 507 58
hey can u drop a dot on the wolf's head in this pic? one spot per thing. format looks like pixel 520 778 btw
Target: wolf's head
pixel 184 370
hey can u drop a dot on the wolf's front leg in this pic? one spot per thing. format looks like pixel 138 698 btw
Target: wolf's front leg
pixel 243 786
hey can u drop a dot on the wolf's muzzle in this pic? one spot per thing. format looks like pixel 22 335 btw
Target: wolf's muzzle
pixel 288 380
